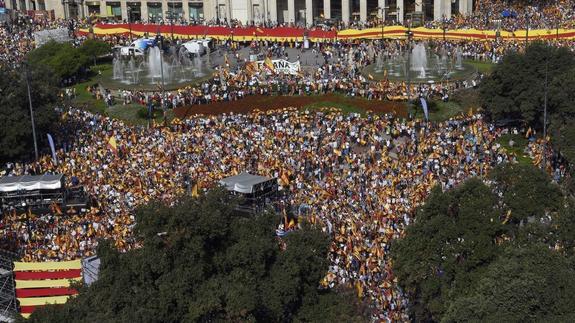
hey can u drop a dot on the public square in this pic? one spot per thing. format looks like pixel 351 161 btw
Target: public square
pixel 240 166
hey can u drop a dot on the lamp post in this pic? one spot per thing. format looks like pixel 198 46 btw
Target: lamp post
pixel 170 15
pixel 408 67
pixel 27 74
pixel 545 114
pixel 129 11
pixel 163 103
pixel 383 22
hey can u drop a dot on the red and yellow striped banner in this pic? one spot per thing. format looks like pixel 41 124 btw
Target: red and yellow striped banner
pixel 38 284
pixel 297 34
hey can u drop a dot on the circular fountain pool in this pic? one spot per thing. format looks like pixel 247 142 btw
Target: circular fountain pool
pixel 423 66
pixel 175 65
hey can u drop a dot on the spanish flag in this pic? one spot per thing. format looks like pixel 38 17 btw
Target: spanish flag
pixel 269 64
pixel 259 30
pixel 112 144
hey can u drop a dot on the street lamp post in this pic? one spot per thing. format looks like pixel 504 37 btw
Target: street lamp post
pixel 129 10
pixel 163 103
pixel 27 74
pixel 383 22
pixel 408 67
pixel 545 115
pixel 170 15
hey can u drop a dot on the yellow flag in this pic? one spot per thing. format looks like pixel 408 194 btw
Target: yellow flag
pixel 112 144
pixel 195 191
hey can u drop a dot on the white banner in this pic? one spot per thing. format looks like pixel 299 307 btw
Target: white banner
pixel 282 66
pixel 59 35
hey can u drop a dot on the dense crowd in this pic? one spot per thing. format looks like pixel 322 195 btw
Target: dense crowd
pixel 361 179
pixel 513 15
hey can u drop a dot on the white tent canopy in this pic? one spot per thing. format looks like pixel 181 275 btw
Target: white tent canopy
pixel 243 182
pixel 30 183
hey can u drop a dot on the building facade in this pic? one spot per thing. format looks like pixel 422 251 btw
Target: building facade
pixel 282 11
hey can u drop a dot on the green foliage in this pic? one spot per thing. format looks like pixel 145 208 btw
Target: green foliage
pixel 94 48
pixel 455 264
pixel 16 131
pixel 515 89
pixel 452 238
pixel 62 58
pixel 531 284
pixel 526 191
pixel 201 261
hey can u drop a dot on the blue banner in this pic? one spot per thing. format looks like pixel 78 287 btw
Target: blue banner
pixel 424 106
pixel 53 149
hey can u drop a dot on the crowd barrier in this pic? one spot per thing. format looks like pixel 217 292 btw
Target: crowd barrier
pixel 38 284
pixel 297 34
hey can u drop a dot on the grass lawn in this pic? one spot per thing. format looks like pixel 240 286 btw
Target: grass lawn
pixel 519 145
pixel 481 66
pixel 444 111
pixel 84 98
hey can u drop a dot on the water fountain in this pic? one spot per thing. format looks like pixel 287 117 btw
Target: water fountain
pixel 176 63
pixel 427 64
pixel 419 60
pixel 458 58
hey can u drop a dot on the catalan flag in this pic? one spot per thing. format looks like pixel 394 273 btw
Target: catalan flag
pixel 38 284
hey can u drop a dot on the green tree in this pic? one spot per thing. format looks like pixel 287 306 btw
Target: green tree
pixel 63 59
pixel 16 132
pixel 452 239
pixel 94 48
pixel 201 261
pixel 502 252
pixel 516 88
pixel 532 284
pixel 526 191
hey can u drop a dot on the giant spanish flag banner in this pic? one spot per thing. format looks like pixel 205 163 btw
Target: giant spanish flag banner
pixel 297 34
pixel 38 284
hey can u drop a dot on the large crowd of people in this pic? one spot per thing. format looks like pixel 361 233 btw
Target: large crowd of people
pixel 360 178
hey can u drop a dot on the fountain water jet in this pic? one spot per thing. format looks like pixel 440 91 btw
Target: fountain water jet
pixel 419 60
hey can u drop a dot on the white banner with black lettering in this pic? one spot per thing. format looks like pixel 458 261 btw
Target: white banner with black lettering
pixel 282 66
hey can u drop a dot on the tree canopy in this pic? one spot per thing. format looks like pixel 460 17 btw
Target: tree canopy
pixel 16 131
pixel 516 88
pixel 485 253
pixel 63 59
pixel 202 261
pixel 94 48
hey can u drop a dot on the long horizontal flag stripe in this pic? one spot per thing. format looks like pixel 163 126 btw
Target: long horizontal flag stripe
pixel 27 309
pixel 38 292
pixel 44 283
pixel 35 301
pixel 291 33
pixel 41 266
pixel 40 275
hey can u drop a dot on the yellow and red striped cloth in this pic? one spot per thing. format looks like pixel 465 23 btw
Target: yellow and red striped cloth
pixel 297 34
pixel 38 284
